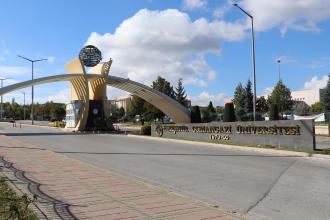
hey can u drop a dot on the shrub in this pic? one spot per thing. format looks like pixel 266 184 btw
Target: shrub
pixel 195 114
pixel 273 112
pixel 229 114
pixel 146 130
pixel 13 206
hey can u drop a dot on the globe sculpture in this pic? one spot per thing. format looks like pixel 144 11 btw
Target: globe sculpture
pixel 90 56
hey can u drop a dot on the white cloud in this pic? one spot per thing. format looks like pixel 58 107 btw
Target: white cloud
pixel 166 43
pixel 302 15
pixel 204 98
pixel 220 11
pixel 194 4
pixel 319 63
pixel 62 96
pixel 267 91
pixel 50 59
pixel 316 83
pixel 113 93
pixel 8 71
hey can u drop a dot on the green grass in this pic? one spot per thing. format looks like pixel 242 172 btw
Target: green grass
pixel 13 206
pixel 325 151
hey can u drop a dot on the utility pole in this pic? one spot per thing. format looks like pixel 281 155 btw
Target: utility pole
pixel 32 64
pixel 253 62
pixel 279 69
pixel 24 105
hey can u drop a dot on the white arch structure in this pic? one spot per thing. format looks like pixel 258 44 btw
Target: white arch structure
pixel 169 106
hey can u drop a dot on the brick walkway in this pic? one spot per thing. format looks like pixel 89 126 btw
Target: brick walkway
pixel 72 189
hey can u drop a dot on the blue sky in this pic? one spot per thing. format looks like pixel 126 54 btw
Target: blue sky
pixel 205 42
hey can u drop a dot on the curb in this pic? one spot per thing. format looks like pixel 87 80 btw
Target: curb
pixel 40 126
pixel 242 148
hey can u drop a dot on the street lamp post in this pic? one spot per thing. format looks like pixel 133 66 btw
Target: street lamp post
pixel 1 108
pixel 32 64
pixel 279 69
pixel 253 61
pixel 23 105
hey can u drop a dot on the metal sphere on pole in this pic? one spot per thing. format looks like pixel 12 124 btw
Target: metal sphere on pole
pixel 32 65
pixel 279 69
pixel 253 61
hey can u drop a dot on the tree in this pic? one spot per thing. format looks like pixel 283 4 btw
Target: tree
pixel 162 86
pixel 47 111
pixel 281 96
pixel 211 108
pixel 239 102
pixel 326 97
pixel 248 101
pixel 209 113
pixel 220 109
pixel 136 107
pixel 301 108
pixel 317 107
pixel 59 112
pixel 121 111
pixel 262 107
pixel 273 112
pixel 229 115
pixel 195 114
pixel 180 94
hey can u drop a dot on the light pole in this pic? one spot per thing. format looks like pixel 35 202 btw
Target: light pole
pixel 32 64
pixel 279 69
pixel 24 105
pixel 1 108
pixel 253 61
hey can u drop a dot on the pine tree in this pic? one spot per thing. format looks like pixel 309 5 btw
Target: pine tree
pixel 326 97
pixel 273 112
pixel 261 108
pixel 229 115
pixel 209 113
pixel 136 107
pixel 249 101
pixel 281 96
pixel 210 107
pixel 180 93
pixel 239 102
pixel 195 114
pixel 162 85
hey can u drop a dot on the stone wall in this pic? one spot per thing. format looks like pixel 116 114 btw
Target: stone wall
pixel 297 134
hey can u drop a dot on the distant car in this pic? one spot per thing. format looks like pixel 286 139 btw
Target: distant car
pixel 167 119
pixel 138 118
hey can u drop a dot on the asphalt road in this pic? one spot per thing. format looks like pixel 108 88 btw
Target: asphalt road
pixel 263 186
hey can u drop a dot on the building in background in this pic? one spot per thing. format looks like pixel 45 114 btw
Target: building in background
pixel 121 102
pixel 310 96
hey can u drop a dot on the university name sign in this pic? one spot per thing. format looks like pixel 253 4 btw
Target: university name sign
pixel 292 134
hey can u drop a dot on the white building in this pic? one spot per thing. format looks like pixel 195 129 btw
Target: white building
pixel 121 102
pixel 310 97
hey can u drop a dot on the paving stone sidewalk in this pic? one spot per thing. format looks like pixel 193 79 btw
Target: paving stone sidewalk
pixel 71 189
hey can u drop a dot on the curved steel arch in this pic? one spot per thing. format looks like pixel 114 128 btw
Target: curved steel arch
pixel 169 106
